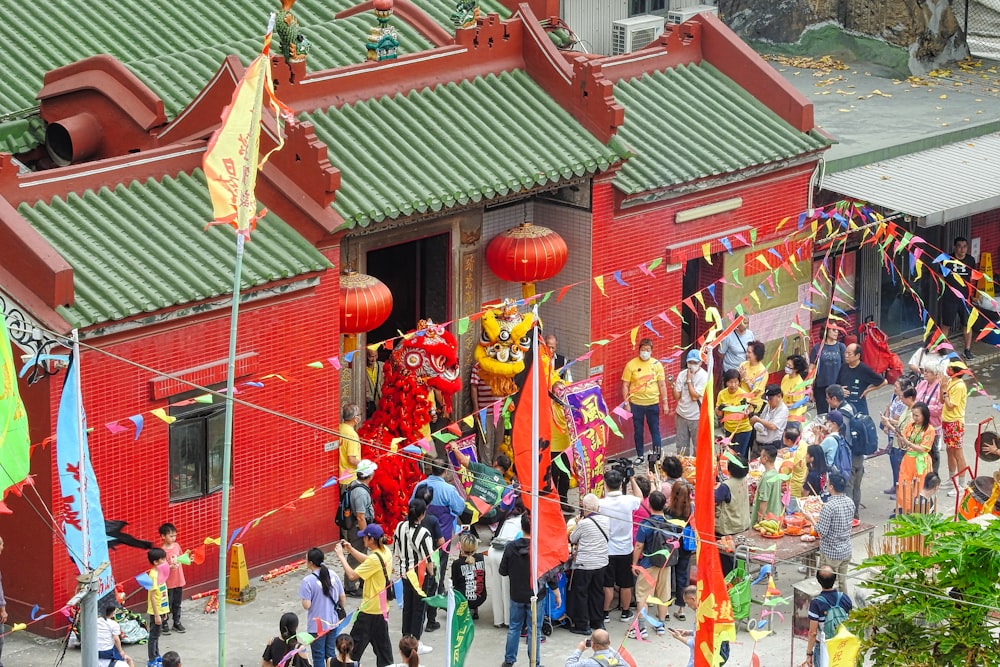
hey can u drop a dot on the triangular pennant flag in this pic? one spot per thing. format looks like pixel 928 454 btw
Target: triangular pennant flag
pixel 599 281
pixel 162 414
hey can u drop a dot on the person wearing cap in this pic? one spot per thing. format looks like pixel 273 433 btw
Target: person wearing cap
pixel 688 390
pixel 770 422
pixel 375 570
pixel 360 499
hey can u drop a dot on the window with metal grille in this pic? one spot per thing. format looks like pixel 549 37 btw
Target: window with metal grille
pixel 197 440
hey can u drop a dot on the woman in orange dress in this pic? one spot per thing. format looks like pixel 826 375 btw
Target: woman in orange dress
pixel 916 439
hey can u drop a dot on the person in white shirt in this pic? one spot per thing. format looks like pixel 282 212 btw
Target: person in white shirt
pixel 688 390
pixel 497 587
pixel 109 640
pixel 618 508
pixel 770 423
pixel 585 594
pixel 733 347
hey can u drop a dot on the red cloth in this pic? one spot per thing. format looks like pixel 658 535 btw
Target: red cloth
pixel 550 518
pixel 715 612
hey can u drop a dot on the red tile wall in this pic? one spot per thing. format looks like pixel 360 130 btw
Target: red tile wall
pixel 624 238
pixel 275 459
pixel 987 227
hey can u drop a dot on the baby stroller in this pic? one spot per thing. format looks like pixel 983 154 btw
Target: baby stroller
pixel 555 615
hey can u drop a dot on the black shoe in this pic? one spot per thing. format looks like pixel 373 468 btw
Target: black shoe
pixel 475 615
pixel 969 355
pixel 352 594
pixel 164 629
pixel 179 628
pixel 579 631
pixel 432 626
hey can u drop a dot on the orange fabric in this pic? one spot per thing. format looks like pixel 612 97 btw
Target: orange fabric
pixel 550 518
pixel 714 618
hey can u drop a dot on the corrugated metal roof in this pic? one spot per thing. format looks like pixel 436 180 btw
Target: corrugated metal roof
pixel 36 37
pixel 692 121
pixel 140 248
pixel 939 185
pixel 425 150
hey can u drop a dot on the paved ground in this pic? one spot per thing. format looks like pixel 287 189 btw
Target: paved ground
pixel 251 625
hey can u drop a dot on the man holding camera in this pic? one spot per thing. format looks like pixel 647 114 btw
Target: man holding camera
pixel 618 507
pixel 603 656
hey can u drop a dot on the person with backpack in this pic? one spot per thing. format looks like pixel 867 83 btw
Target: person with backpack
pixel 861 436
pixel 656 551
pixel 858 379
pixel 679 509
pixel 321 591
pixel 836 451
pixel 834 527
pixel 354 513
pixel 827 612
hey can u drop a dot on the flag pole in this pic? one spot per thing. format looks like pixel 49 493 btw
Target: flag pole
pixel 227 452
pixel 533 649
pixel 88 603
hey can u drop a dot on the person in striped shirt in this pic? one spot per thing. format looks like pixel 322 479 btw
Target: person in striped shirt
pixel 411 545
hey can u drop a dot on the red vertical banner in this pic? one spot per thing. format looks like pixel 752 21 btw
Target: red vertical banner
pixel 715 622
pixel 541 499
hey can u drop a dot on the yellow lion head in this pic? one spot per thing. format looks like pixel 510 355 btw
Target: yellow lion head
pixel 503 344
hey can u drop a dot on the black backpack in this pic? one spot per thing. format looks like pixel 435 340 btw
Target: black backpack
pixel 661 538
pixel 864 435
pixel 345 518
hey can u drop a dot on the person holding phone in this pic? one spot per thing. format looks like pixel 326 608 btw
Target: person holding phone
pixel 603 655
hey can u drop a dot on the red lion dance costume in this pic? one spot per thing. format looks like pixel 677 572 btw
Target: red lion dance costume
pixel 424 360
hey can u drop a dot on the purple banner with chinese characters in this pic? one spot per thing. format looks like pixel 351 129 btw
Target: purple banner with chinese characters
pixel 586 420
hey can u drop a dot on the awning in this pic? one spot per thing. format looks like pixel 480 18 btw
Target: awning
pixel 935 186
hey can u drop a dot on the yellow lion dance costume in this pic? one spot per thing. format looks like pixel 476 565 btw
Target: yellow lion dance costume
pixel 503 344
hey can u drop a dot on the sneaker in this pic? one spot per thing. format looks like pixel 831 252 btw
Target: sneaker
pixel 164 629
pixel 507 664
pixel 969 355
pixel 627 616
pixel 639 460
pixel 424 649
pixel 643 632
pixel 607 616
pixel 891 491
pixel 952 493
pixel 660 631
pixel 855 523
pixel 580 631
pixel 432 626
pixel 179 628
pixel 353 594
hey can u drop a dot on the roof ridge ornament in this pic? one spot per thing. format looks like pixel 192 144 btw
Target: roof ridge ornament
pixel 383 40
pixel 466 13
pixel 294 45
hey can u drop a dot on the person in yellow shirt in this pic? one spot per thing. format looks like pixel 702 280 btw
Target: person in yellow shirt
pixel 792 444
pixel 793 389
pixel 350 443
pixel 734 421
pixel 644 388
pixel 753 374
pixel 375 570
pixel 157 602
pixel 374 377
pixel 953 420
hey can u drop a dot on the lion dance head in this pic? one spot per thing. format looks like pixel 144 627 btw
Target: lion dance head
pixel 423 361
pixel 503 344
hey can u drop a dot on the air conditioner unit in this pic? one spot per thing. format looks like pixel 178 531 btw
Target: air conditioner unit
pixel 678 16
pixel 628 35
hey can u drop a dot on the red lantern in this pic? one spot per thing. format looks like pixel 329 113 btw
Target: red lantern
pixel 365 304
pixel 526 254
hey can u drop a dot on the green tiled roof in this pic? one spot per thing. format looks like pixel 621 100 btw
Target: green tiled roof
pixel 677 122
pixel 176 46
pixel 424 151
pixel 21 135
pixel 140 248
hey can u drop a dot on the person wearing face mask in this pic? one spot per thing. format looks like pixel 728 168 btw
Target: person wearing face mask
pixel 793 387
pixel 688 390
pixel 644 388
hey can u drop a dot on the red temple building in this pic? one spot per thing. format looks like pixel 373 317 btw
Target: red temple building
pixel 688 152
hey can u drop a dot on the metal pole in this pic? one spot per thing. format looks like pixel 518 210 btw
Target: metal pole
pixel 535 378
pixel 88 603
pixel 227 453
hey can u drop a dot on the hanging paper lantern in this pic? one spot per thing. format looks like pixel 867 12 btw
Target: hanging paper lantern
pixel 365 304
pixel 527 254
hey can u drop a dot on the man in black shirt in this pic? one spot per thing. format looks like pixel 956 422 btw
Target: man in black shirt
pixel 959 279
pixel 858 379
